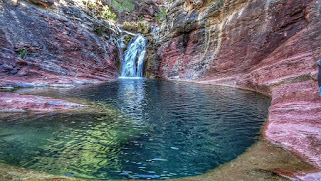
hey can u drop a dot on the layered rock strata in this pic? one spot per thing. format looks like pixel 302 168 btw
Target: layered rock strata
pixel 269 46
pixel 52 43
pixel 60 44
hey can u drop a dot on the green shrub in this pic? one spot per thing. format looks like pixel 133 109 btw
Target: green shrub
pixel 143 27
pixel 162 15
pixel 130 26
pixel 23 53
pixel 137 27
pixel 122 5
pixel 100 9
pixel 140 18
pixel 107 14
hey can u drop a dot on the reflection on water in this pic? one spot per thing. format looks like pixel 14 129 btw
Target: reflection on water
pixel 161 130
pixel 77 144
pixel 131 93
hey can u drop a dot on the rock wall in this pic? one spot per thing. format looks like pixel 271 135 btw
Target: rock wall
pixel 135 10
pixel 269 46
pixel 44 41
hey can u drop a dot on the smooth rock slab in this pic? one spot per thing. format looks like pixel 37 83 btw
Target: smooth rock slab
pixel 12 102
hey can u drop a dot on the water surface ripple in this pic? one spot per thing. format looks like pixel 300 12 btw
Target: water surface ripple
pixel 157 130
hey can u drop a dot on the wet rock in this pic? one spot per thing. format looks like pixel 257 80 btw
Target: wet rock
pixel 11 102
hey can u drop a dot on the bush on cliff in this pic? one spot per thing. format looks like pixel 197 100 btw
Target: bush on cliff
pixel 122 5
pixel 102 10
pixel 161 16
pixel 137 27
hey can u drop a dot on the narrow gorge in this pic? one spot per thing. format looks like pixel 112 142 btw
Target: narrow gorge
pixel 61 60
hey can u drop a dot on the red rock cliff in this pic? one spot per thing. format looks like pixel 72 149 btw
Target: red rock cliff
pixel 47 41
pixel 269 46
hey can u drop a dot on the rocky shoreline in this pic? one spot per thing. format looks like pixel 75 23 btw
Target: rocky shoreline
pixel 270 47
pixel 283 164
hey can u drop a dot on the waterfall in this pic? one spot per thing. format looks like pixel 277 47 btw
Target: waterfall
pixel 133 59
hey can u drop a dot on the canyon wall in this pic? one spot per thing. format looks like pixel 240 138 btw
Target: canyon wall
pixel 58 42
pixel 135 10
pixel 269 46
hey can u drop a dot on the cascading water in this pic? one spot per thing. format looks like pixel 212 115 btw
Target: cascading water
pixel 133 60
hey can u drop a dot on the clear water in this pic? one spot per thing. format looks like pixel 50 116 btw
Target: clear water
pixel 156 130
pixel 133 60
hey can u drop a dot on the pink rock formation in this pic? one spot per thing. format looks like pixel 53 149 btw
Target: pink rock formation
pixel 52 47
pixel 45 45
pixel 313 175
pixel 270 47
pixel 11 102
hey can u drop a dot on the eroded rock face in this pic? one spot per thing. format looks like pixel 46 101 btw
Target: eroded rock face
pixel 54 46
pixel 269 46
pixel 227 38
pixel 135 10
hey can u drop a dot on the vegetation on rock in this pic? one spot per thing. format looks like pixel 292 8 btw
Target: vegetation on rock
pixel 137 27
pixel 23 53
pixel 102 10
pixel 121 5
pixel 159 17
